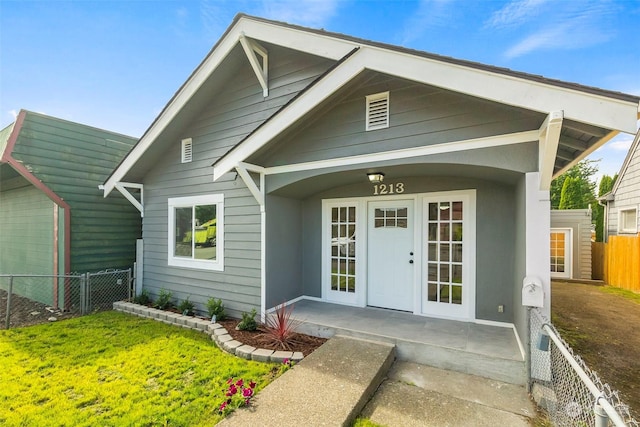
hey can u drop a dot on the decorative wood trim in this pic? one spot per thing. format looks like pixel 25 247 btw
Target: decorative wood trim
pixel 261 68
pixel 122 188
pixel 548 147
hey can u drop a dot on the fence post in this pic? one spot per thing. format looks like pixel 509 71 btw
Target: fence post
pixel 6 322
pixel 602 419
pixel 83 284
pixel 130 284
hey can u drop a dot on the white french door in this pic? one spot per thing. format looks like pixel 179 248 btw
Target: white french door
pixel 561 259
pixel 448 238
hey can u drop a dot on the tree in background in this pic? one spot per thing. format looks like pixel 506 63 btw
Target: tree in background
pixel 606 185
pixel 579 192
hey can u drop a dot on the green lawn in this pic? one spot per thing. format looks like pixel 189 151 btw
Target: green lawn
pixel 113 369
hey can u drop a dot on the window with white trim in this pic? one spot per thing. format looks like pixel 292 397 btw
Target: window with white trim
pixel 377 111
pixel 628 220
pixel 186 150
pixel 196 232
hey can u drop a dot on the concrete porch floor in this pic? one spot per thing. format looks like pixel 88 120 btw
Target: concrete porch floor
pixel 478 349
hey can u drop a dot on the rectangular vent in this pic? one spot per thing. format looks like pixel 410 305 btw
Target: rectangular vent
pixel 187 150
pixel 377 111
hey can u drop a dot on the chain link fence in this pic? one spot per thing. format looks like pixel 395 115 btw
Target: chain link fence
pixel 563 385
pixel 31 299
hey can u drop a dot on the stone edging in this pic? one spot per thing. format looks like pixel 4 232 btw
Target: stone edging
pixel 217 332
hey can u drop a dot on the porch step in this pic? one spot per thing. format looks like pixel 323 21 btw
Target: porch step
pixel 329 387
pixel 457 346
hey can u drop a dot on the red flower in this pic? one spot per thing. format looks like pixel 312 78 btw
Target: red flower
pixel 247 392
pixel 230 380
pixel 239 382
pixel 252 384
pixel 223 406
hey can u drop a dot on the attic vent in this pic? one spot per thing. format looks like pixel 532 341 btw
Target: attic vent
pixel 186 150
pixel 378 111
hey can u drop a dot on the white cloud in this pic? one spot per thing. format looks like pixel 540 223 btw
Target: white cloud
pixel 621 142
pixel 311 13
pixel 516 13
pixel 554 25
pixel 430 13
pixel 13 113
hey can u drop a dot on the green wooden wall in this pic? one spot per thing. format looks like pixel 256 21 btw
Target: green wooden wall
pixel 72 160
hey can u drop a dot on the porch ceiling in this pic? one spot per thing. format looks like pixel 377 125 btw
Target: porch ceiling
pixel 317 183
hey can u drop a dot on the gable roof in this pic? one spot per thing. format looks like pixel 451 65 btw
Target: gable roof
pixel 633 150
pixel 592 115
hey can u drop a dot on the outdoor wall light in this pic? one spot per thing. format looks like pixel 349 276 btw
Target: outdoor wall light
pixel 375 177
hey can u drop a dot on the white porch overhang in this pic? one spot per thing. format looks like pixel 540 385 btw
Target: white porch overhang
pixel 598 113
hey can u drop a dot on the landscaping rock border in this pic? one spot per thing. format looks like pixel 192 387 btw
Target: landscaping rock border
pixel 218 333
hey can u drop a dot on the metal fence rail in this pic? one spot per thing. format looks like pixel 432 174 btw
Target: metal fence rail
pixel 29 298
pixel 563 385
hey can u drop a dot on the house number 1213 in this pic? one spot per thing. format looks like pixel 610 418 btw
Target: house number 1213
pixel 394 188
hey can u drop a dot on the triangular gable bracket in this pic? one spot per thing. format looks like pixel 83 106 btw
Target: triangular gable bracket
pixel 549 138
pixel 123 187
pixel 260 65
pixel 257 192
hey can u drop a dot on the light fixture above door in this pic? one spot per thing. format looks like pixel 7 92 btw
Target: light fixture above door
pixel 375 177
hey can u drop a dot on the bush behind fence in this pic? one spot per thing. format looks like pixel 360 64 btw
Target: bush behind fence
pixel 569 397
pixel 29 299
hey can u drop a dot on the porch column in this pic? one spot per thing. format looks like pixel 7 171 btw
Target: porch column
pixel 538 228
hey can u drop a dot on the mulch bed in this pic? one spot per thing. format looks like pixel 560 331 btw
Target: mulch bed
pixel 301 342
pixel 27 312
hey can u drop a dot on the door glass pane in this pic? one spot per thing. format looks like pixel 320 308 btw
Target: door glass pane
pixel 445 211
pixel 343 249
pixel 433 255
pixel 445 281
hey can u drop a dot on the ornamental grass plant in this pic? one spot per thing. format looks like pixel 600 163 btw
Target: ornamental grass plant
pixel 113 369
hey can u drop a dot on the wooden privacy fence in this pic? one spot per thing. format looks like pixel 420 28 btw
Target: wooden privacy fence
pixel 620 261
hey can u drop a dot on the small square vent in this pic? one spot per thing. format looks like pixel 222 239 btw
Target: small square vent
pixel 187 150
pixel 377 111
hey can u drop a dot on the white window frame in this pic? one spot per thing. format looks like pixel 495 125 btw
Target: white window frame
pixel 192 201
pixel 621 225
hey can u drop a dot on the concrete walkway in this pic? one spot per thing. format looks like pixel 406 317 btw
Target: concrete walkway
pixel 335 384
pixel 419 395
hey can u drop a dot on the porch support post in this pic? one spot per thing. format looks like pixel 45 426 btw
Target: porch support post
pixel 549 137
pixel 260 66
pixel 259 194
pixel 537 230
pixel 122 187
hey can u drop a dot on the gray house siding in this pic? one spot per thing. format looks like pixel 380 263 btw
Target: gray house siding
pixel 627 194
pixel 579 221
pixel 419 116
pixel 230 116
pixel 495 251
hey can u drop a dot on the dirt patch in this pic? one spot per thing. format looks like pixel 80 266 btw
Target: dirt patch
pixel 303 343
pixel 26 312
pixel 603 329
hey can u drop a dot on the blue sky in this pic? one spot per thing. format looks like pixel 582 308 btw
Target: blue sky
pixel 115 64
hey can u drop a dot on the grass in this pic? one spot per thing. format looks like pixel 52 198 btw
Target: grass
pixel 631 296
pixel 365 422
pixel 113 369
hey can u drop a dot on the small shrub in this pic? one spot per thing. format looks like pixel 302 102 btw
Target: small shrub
pixel 164 300
pixel 186 307
pixel 143 298
pixel 215 307
pixel 248 322
pixel 237 395
pixel 280 328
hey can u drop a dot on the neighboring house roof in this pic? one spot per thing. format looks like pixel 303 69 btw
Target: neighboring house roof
pixel 55 154
pixel 590 116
